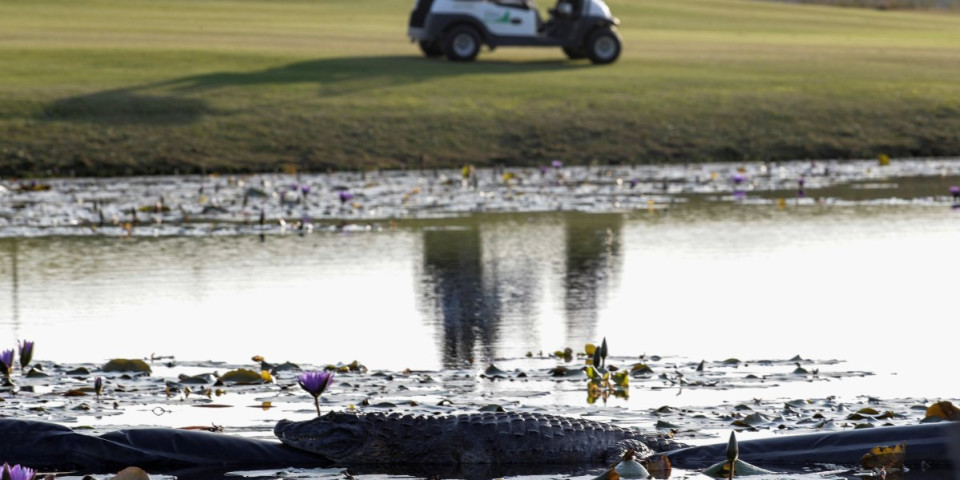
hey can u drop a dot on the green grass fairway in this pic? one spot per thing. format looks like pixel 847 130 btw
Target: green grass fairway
pixel 149 86
pixel 887 4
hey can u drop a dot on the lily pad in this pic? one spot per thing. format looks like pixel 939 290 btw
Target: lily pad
pixel 287 367
pixel 641 369
pixel 596 374
pixel 659 467
pixel 741 469
pixel 494 372
pixel 131 473
pixel 240 376
pixel 621 379
pixel 753 420
pixel 943 410
pixel 662 425
pixel 631 469
pixel 356 366
pixel 127 365
pixel 196 379
pixel 565 353
pixel 562 371
pixel 884 456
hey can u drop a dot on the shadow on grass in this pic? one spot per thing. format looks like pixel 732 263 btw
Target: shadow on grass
pixel 125 106
pixel 333 76
pixel 353 74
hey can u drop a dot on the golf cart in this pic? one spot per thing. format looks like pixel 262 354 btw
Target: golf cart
pixel 458 28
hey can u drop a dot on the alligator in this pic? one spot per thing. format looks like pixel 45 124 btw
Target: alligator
pixel 359 440
pixel 470 438
pixel 193 455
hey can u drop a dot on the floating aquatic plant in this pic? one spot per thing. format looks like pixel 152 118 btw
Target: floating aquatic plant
pixel 127 365
pixel 603 352
pixel 17 472
pixel 733 448
pixel 6 362
pixel 733 466
pixel 603 382
pixel 598 354
pixel 26 353
pixel 315 383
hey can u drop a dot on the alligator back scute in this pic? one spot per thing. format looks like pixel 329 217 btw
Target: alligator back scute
pixel 524 438
pixel 488 437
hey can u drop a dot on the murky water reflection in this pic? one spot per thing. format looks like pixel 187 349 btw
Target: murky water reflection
pixel 874 286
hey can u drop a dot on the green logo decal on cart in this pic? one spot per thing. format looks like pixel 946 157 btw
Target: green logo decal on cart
pixel 491 17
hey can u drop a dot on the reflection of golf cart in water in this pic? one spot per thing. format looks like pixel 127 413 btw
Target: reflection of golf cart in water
pixel 458 28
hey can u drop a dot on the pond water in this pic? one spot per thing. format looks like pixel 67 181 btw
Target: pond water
pixel 695 264
pixel 864 279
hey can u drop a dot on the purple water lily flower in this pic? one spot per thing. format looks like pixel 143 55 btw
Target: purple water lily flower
pixel 26 353
pixel 738 178
pixel 315 383
pixel 556 164
pixel 305 189
pixel 17 472
pixel 954 190
pixel 345 196
pixel 6 362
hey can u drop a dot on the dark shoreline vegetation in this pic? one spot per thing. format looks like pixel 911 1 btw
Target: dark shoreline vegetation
pixel 123 87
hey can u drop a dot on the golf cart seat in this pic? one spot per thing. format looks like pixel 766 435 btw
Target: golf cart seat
pixel 565 9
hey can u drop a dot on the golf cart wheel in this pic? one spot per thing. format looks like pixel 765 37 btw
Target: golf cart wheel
pixel 431 48
pixel 604 46
pixel 462 44
pixel 575 53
